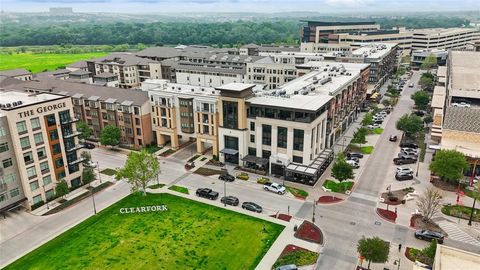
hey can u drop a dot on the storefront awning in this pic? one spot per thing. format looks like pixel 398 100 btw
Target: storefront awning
pixel 256 160
pixel 229 151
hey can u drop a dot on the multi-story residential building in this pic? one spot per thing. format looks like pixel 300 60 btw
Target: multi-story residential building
pixel 445 38
pixel 184 112
pixel 130 69
pixel 311 47
pixel 206 75
pixel 288 131
pixel 19 74
pixel 43 145
pixel 456 119
pixel 80 76
pixel 98 106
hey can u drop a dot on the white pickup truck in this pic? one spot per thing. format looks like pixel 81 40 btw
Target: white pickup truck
pixel 274 187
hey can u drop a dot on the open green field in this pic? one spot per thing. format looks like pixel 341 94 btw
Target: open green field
pixel 40 62
pixel 189 235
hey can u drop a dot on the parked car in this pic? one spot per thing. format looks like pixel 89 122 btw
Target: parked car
pixel 88 145
pixel 352 158
pixel 409 145
pixel 252 207
pixel 461 105
pixel 207 193
pixel 419 113
pixel 393 138
pixel 373 126
pixel 230 200
pixel 411 85
pixel 274 187
pixel 287 267
pixel 409 151
pixel 355 154
pixel 402 161
pixel 404 170
pixel 226 177
pixel 429 235
pixel 407 155
pixel 353 163
pixel 403 176
pixel 90 164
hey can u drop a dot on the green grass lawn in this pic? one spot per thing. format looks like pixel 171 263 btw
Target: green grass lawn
pixel 39 62
pixel 108 171
pixel 367 150
pixel 297 192
pixel 297 257
pixel 461 212
pixel 377 130
pixel 190 235
pixel 179 189
pixel 156 186
pixel 338 187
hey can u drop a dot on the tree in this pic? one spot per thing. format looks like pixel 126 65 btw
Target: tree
pixel 61 189
pixel 429 61
pixel 88 175
pixel 421 99
pixel 410 124
pixel 373 249
pixel 139 169
pixel 360 136
pixel 341 170
pixel 428 119
pixel 387 102
pixel 110 135
pixel 86 157
pixel 449 165
pixel 426 81
pixel 85 130
pixel 367 119
pixel 429 203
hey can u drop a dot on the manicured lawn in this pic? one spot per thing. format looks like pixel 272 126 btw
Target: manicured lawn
pixel 297 192
pixel 152 148
pixel 377 130
pixel 109 171
pixel 461 212
pixel 156 186
pixel 179 189
pixel 39 62
pixel 367 150
pixel 189 235
pixel 338 187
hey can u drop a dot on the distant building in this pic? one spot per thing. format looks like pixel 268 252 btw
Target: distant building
pixel 78 65
pixel 444 38
pixel 60 10
pixel 20 74
pixel 325 32
pixel 418 56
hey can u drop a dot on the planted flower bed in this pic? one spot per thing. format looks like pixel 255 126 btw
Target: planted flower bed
pixel 329 199
pixel 309 232
pixel 292 254
pixel 387 214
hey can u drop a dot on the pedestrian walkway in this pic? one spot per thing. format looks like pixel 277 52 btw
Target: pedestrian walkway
pixel 455 233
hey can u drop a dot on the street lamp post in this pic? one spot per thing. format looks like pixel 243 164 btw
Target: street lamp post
pixel 99 177
pixel 473 206
pixel 313 213
pixel 46 199
pixel 397 262
pixel 93 200
pixel 225 192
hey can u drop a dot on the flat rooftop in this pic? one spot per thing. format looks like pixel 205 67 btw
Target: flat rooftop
pixel 447 258
pixel 464 74
pixel 14 98
pixel 313 90
pixel 237 87
pixel 164 86
pixel 443 31
pixel 373 50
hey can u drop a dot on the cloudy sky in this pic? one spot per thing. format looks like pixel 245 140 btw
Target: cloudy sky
pixel 324 6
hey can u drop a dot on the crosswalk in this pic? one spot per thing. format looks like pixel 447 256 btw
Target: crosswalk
pixel 456 233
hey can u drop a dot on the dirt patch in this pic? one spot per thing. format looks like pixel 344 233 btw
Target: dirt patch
pixel 445 185
pixel 309 232
pixel 387 214
pixel 417 222
pixel 329 199
pixel 394 198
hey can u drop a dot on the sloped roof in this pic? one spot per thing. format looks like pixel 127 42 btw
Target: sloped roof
pixel 15 72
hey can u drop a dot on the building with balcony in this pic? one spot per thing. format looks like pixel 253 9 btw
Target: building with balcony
pixel 184 112
pixel 38 133
pixel 99 106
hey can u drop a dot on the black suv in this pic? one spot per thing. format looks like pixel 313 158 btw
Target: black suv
pixel 226 177
pixel 408 145
pixel 230 200
pixel 403 176
pixel 401 161
pixel 429 235
pixel 357 155
pixel 207 193
pixel 252 207
pixel 88 145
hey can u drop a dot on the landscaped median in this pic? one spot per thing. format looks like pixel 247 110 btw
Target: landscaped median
pixel 298 193
pixel 292 254
pixel 162 231
pixel 461 211
pixel 180 189
pixel 339 187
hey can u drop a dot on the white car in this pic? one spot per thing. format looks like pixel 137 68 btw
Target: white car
pixel 409 150
pixel 461 105
pixel 373 126
pixel 353 163
pixel 403 170
pixel 411 85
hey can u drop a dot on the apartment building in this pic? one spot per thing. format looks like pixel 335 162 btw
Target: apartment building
pixel 130 69
pixel 42 146
pixel 288 131
pixel 455 125
pixel 444 38
pixel 19 74
pixel 99 106
pixel 184 112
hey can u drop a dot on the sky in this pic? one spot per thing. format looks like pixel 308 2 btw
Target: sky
pixel 178 6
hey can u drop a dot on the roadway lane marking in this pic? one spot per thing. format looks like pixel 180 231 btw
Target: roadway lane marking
pixel 364 197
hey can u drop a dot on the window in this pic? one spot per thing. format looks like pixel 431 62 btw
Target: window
pixel 53 135
pixel 267 134
pixel 252 138
pixel 38 138
pixel 139 132
pixel 10 178
pixel 41 153
pixel 3 147
pixel 3 197
pixel 266 154
pixel 34 185
pixel 230 114
pixel 59 162
pixel 51 120
pixel 47 180
pixel 137 121
pixel 252 151
pixel 31 172
pixel 252 126
pixel 2 132
pixel 35 123
pixel 28 158
pixel 7 163
pixel 56 149
pixel 298 139
pixel 14 192
pixel 61 175
pixel 49 194
pixel 21 127
pixel 25 143
pixel 282 137
pixel 44 167
pixel 136 110
pixel 297 159
pixel 231 142
pixel 37 199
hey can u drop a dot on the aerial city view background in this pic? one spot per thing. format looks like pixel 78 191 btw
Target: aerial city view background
pixel 246 134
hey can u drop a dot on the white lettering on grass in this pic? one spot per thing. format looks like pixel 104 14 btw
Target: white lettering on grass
pixel 144 209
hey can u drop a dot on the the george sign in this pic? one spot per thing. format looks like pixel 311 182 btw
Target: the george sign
pixel 43 109
pixel 143 209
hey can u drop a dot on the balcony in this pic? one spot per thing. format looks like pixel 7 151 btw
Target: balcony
pixel 69 120
pixel 69 135
pixel 78 160
pixel 70 148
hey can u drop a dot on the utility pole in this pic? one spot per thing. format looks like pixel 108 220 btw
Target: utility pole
pixel 93 200
pixel 313 213
pixel 471 212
